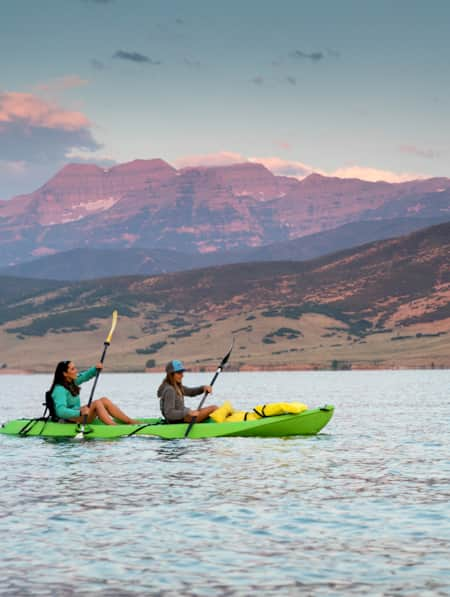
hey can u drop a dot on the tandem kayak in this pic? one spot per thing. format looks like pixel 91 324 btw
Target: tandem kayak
pixel 308 422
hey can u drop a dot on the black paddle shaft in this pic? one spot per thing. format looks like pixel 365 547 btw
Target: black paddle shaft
pixel 106 343
pixel 97 374
pixel 219 369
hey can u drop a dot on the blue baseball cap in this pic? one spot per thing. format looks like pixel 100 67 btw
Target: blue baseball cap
pixel 174 367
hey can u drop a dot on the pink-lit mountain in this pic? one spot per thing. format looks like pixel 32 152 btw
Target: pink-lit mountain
pixel 150 204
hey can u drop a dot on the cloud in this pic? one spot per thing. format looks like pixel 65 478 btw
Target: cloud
pixel 284 167
pixel 97 64
pixel 135 57
pixel 41 144
pixel 13 168
pixel 34 130
pixel 313 56
pixel 61 84
pixel 103 161
pixel 430 154
pixel 283 144
pixel 222 158
pixel 300 170
pixel 192 63
pixel 28 109
pixel 295 168
pixel 227 158
pixel 374 175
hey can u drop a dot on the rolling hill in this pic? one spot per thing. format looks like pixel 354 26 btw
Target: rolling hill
pixel 88 264
pixel 383 304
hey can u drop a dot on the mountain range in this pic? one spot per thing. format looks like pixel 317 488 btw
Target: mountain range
pixel 88 264
pixel 148 204
pixel 383 304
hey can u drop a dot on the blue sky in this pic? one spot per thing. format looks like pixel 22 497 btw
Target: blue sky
pixel 341 87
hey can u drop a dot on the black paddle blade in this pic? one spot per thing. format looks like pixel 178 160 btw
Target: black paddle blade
pixel 227 356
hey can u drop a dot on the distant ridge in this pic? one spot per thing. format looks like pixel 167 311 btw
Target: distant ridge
pixel 87 263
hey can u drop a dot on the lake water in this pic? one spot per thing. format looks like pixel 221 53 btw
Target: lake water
pixel 362 508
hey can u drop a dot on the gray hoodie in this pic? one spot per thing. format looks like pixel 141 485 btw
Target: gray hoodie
pixel 172 404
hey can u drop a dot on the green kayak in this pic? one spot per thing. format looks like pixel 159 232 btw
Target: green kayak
pixel 308 422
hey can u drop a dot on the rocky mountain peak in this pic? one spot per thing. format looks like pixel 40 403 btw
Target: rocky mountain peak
pixel 156 168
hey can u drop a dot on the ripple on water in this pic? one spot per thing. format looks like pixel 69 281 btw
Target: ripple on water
pixel 359 509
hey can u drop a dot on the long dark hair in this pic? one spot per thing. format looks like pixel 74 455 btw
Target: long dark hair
pixel 170 379
pixel 60 380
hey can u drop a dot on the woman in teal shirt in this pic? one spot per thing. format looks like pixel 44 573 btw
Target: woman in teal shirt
pixel 65 392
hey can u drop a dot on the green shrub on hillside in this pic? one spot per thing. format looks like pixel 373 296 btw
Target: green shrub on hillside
pixel 69 321
pixel 356 327
pixel 288 333
pixel 155 347
pixel 185 333
pixel 178 322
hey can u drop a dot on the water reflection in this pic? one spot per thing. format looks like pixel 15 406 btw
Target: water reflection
pixel 172 450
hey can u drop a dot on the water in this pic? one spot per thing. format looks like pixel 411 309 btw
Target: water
pixel 362 508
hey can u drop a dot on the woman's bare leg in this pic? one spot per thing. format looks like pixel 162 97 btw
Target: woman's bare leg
pixel 203 414
pixel 115 411
pixel 97 409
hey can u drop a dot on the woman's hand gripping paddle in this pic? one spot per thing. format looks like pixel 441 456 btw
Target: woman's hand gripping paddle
pixel 82 432
pixel 218 370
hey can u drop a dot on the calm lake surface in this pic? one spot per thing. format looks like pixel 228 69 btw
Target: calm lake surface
pixel 362 508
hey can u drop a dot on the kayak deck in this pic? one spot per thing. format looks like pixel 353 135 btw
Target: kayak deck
pixel 309 422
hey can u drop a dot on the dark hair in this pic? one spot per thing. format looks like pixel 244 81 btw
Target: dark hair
pixel 60 380
pixel 170 379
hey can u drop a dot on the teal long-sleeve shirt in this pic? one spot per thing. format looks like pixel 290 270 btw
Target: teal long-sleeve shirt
pixel 66 405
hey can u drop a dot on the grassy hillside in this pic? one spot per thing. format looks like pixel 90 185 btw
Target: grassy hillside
pixel 382 304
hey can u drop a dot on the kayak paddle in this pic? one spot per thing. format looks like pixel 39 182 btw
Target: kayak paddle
pixel 107 342
pixel 218 370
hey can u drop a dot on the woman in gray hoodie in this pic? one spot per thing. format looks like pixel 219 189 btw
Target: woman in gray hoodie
pixel 171 395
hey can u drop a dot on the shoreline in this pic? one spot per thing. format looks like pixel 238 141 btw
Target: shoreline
pixel 248 369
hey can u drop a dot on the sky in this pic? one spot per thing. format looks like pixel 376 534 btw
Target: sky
pixel 349 88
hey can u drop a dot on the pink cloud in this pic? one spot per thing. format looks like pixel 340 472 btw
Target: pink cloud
pixel 300 170
pixel 421 152
pixel 226 158
pixel 61 84
pixel 222 158
pixel 295 168
pixel 283 144
pixel 282 167
pixel 374 175
pixel 25 108
pixel 34 130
